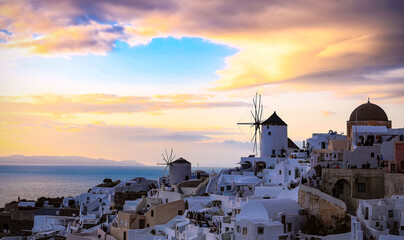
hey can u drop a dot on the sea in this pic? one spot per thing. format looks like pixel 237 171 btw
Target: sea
pixel 32 182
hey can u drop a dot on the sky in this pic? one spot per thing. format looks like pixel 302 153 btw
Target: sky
pixel 123 80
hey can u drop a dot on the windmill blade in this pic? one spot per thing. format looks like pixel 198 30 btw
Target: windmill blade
pixel 171 153
pixel 253 137
pixel 254 140
pixel 165 170
pixel 253 116
pixel 164 158
pixel 255 109
pixel 262 110
pixel 166 154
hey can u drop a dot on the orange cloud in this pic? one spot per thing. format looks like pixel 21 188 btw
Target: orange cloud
pixel 104 103
pixel 328 113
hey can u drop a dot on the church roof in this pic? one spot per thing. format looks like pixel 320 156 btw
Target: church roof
pixel 367 112
pixel 274 119
pixel 180 160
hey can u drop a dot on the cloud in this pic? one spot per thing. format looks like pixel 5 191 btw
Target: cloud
pixel 138 133
pixel 277 40
pixel 106 103
pixel 328 113
pixel 79 40
pixel 377 82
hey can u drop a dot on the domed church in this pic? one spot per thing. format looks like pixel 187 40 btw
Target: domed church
pixel 367 114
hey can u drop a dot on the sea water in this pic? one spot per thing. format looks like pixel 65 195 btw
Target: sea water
pixel 32 182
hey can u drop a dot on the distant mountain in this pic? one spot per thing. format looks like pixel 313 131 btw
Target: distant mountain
pixel 65 160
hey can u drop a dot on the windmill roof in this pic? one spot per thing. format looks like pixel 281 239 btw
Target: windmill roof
pixel 180 160
pixel 291 144
pixel 274 119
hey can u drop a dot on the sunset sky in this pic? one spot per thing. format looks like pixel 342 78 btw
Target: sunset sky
pixel 126 79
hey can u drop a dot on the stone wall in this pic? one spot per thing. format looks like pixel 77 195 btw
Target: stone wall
pixel 323 206
pixel 393 184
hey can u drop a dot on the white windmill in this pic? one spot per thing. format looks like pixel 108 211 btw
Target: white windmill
pixel 256 114
pixel 168 159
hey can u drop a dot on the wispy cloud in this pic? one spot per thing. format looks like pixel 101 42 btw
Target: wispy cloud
pixel 106 103
pixel 328 113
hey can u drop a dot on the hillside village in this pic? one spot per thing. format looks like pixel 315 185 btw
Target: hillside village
pixel 335 187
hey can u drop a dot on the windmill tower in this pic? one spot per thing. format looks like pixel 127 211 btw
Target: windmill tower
pixel 274 137
pixel 256 115
pixel 168 159
pixel 180 171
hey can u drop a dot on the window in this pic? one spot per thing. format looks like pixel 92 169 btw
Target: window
pixel 391 213
pixel 280 172
pixel 372 154
pixel 238 229
pixel 267 127
pixel 244 231
pixel 222 189
pixel 152 213
pixel 362 187
pixel 366 213
pixel 290 172
pixel 228 187
pixel 126 223
pixel 120 222
pixel 377 224
pixel 226 229
pixel 179 212
pixel 269 133
pixel 166 200
pixel 260 230
pixel 289 227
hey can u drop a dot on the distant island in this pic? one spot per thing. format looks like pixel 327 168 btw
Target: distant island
pixel 63 160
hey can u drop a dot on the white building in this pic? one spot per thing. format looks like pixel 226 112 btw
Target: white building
pixel 268 219
pixel 381 217
pixel 321 140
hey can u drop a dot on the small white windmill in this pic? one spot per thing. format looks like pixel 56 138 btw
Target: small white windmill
pixel 168 159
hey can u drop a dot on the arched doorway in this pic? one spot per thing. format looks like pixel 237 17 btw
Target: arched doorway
pixel 260 166
pixel 342 187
